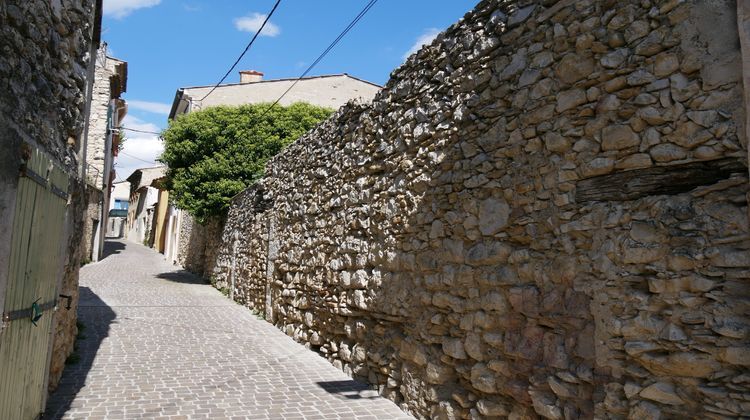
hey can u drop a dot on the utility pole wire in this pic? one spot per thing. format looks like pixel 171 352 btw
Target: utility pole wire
pixel 137 131
pixel 243 52
pixel 343 33
pixel 134 157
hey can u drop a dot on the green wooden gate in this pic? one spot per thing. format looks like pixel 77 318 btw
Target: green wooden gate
pixel 34 268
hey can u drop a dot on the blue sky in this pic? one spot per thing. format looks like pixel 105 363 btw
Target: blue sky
pixel 169 44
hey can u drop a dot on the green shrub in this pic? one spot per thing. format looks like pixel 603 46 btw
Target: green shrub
pixel 214 154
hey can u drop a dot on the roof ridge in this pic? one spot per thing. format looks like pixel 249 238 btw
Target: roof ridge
pixel 321 76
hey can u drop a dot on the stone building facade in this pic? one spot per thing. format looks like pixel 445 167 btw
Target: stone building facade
pixel 108 109
pixel 45 76
pixel 90 235
pixel 543 213
pixel 142 205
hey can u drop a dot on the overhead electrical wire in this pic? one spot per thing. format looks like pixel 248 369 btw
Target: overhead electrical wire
pixel 268 17
pixel 135 157
pixel 137 131
pixel 322 55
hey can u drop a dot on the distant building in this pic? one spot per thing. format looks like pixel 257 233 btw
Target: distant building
pixel 330 91
pixel 141 208
pixel 188 243
pixel 118 209
pixel 107 111
pixel 161 216
pixel 120 196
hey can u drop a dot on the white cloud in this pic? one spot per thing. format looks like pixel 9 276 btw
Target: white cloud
pixel 118 9
pixel 140 149
pixel 252 23
pixel 153 107
pixel 138 124
pixel 427 36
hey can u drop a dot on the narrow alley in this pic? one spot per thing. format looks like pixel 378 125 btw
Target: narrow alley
pixel 158 342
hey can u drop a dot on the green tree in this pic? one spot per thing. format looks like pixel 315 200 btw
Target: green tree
pixel 214 154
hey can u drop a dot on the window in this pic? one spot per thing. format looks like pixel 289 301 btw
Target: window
pixel 121 204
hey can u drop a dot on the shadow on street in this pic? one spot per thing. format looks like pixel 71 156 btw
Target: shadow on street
pixel 112 247
pixel 182 276
pixel 351 389
pixel 96 318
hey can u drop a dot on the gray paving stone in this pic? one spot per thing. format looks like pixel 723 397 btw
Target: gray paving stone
pixel 159 343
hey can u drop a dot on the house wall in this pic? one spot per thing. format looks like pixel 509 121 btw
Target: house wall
pixel 162 214
pixel 99 158
pixel 120 191
pixel 100 104
pixel 544 213
pixel 172 234
pixel 91 222
pixel 326 91
pixel 43 84
pixel 198 244
pixel 191 244
pixel 141 214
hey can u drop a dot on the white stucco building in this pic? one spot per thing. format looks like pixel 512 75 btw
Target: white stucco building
pixel 120 195
pixel 118 209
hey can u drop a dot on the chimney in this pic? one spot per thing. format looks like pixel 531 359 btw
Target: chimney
pixel 250 76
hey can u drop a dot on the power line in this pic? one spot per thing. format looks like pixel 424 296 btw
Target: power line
pixel 343 33
pixel 268 17
pixel 137 131
pixel 136 158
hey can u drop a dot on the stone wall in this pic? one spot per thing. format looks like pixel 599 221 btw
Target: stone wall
pixel 44 66
pixel 199 244
pixel 543 213
pixel 191 247
pixel 91 221
pixel 66 328
pixel 242 260
pixel 97 135
pixel 44 71
pixel 106 87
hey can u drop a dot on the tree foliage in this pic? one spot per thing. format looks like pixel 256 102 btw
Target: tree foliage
pixel 214 154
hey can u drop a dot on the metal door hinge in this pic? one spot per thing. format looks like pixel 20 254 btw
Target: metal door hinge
pixel 33 313
pixel 42 181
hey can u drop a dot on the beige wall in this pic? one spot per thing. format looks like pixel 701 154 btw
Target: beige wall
pixel 96 144
pixel 330 92
pixel 160 228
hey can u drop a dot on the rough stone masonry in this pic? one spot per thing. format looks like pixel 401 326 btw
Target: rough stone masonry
pixel 543 213
pixel 45 52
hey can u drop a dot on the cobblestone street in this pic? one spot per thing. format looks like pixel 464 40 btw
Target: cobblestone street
pixel 159 343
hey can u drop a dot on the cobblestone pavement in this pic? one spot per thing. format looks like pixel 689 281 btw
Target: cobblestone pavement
pixel 160 343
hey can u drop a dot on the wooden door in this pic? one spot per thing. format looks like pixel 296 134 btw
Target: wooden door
pixel 34 268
